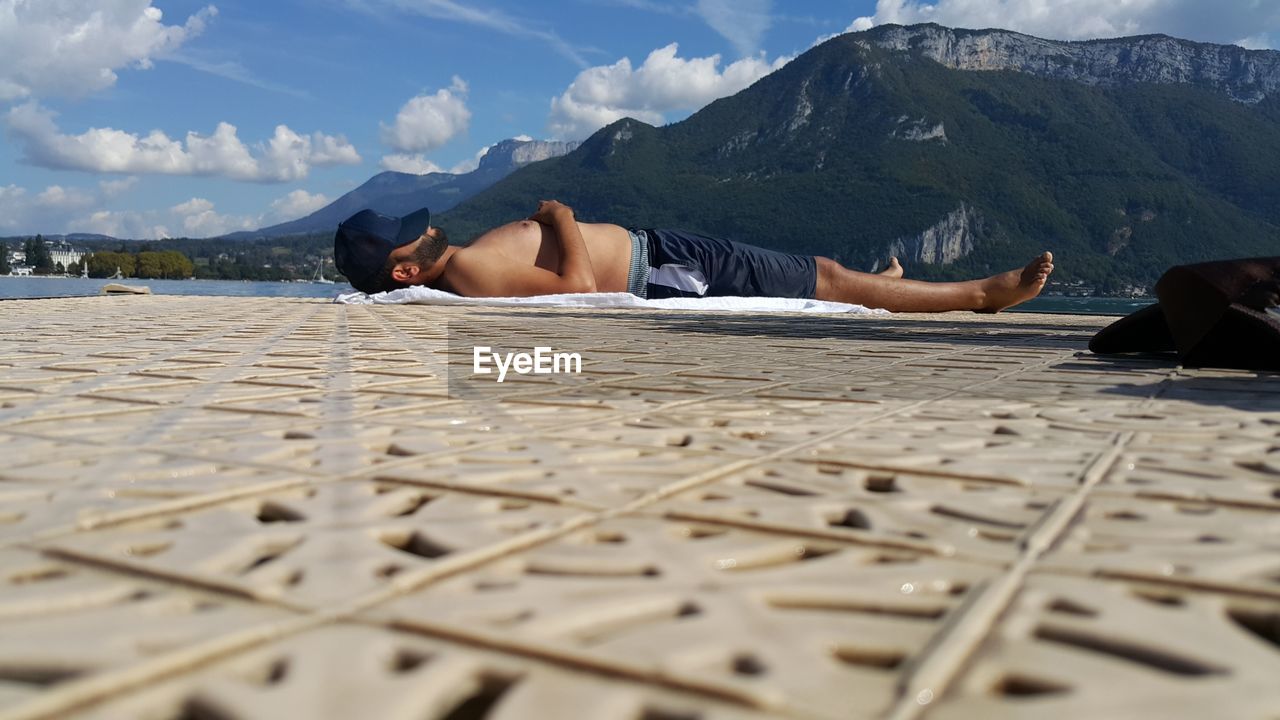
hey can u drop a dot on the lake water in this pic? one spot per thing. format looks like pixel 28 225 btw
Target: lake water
pixel 1084 305
pixel 45 287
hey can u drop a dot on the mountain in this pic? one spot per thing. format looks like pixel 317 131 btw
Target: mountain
pixel 1245 75
pixel 71 238
pixel 960 151
pixel 396 193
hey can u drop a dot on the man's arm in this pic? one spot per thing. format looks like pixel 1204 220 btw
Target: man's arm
pixel 575 263
pixel 475 273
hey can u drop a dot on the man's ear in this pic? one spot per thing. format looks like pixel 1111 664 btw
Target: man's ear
pixel 405 272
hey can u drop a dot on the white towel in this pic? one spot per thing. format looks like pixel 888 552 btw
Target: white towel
pixel 422 295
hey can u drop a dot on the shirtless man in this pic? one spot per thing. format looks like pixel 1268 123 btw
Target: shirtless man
pixel 552 252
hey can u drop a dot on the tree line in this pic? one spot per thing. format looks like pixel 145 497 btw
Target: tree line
pixel 268 259
pixel 162 265
pixel 147 264
pixel 37 254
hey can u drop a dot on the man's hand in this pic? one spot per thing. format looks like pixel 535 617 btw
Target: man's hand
pixel 548 210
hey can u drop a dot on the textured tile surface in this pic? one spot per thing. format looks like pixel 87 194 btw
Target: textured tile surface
pixel 258 508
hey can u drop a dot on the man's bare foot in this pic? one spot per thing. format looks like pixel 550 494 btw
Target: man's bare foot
pixel 1016 286
pixel 894 270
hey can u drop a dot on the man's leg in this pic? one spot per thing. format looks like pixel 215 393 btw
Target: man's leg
pixel 993 294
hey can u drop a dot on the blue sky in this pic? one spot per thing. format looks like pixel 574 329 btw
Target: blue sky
pixel 151 118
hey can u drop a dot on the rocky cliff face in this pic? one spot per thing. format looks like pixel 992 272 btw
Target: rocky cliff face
pixel 512 154
pixel 919 130
pixel 1245 75
pixel 942 244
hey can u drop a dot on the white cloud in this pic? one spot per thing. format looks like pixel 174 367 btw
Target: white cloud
pixel 59 198
pixel 45 211
pixel 860 24
pixel 331 150
pixel 286 156
pixel 112 188
pixel 63 47
pixel 14 210
pixel 474 14
pixel 473 162
pixel 416 164
pixel 58 209
pixel 426 122
pixel 194 206
pixel 122 224
pixel 199 219
pixel 1083 19
pixel 663 83
pixel 236 72
pixel 1261 41
pixel 741 22
pixel 196 217
pixel 296 204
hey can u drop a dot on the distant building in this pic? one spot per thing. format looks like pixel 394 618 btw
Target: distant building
pixel 61 251
pixel 18 263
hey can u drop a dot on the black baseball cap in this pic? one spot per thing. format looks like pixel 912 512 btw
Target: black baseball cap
pixel 366 239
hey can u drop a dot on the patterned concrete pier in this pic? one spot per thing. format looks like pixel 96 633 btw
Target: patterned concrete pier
pixel 262 508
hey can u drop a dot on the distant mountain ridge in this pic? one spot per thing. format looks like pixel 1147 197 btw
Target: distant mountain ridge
pixel 961 151
pixel 1245 75
pixel 68 237
pixel 397 193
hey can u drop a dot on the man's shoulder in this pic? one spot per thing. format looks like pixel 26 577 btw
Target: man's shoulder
pixel 466 268
pixel 468 257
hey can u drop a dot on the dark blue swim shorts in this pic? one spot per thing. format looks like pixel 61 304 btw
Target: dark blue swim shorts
pixel 675 263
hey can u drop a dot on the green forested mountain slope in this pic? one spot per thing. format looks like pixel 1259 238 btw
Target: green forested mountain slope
pixel 855 150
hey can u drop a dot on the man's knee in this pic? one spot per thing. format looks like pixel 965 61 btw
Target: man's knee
pixel 827 267
pixel 828 280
